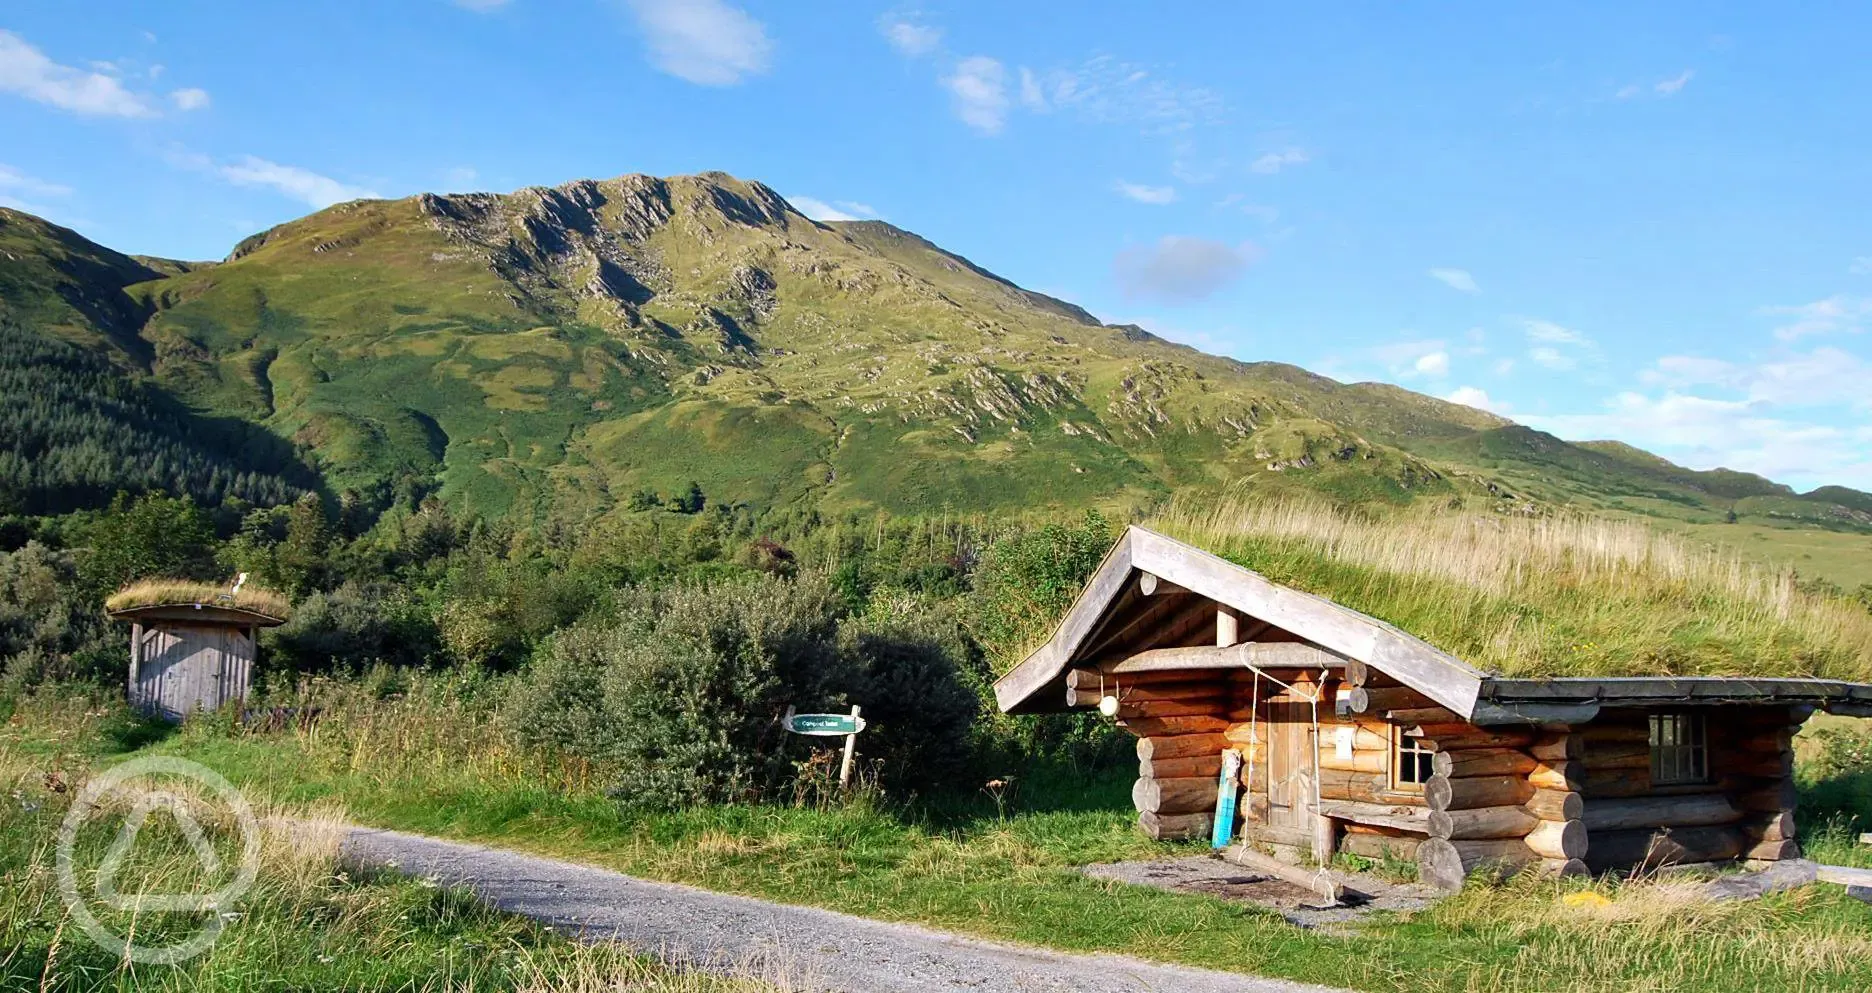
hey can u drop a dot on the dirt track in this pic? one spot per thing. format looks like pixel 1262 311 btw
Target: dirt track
pixel 799 947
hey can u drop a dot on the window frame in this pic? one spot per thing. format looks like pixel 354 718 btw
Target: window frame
pixel 1408 752
pixel 1683 759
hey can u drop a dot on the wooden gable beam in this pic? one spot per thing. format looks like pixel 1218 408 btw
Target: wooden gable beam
pixel 1047 661
pixel 1259 654
pixel 1437 674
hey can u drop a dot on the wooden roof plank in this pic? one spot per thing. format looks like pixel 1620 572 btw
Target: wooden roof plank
pixel 1435 673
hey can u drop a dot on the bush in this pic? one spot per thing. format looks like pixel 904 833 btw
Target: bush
pixel 1027 580
pixel 681 697
pixel 50 631
pixel 924 683
pixel 356 625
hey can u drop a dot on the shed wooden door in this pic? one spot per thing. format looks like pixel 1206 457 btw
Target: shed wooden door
pixel 1290 766
pixel 182 669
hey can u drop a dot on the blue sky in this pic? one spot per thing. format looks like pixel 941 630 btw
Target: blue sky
pixel 1646 221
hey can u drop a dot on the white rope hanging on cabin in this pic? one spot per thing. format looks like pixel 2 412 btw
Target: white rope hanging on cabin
pixel 1254 740
pixel 1109 699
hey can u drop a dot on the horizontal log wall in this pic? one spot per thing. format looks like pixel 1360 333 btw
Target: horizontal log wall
pixel 1495 805
pixel 1179 719
pixel 1746 809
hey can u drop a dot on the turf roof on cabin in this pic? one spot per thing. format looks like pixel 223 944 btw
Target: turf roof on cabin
pixel 1542 598
pixel 186 593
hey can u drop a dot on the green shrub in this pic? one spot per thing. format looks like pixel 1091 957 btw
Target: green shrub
pixel 50 630
pixel 1027 579
pixel 681 697
pixel 924 687
pixel 356 625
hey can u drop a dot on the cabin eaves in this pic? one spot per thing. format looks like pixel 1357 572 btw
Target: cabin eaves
pixel 1037 683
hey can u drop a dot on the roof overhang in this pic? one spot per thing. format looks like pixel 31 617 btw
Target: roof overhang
pixel 196 613
pixel 1510 695
pixel 1333 634
pixel 1340 631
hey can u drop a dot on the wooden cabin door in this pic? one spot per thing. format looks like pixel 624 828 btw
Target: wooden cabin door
pixel 1290 767
pixel 179 670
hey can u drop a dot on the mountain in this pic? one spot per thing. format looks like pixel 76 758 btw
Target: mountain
pixel 550 352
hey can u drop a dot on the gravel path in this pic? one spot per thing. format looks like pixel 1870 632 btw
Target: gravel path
pixel 802 948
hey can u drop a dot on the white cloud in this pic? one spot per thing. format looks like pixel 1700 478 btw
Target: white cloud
pixel 1181 269
pixel 1259 211
pixel 1414 359
pixel 1548 357
pixel 1470 396
pixel 25 71
pixel 481 6
pixel 1434 364
pixel 1456 279
pixel 908 36
pixel 1833 315
pixel 1504 366
pixel 1553 334
pixel 460 178
pixel 1661 88
pixel 1823 377
pixel 1147 194
pixel 1274 162
pixel 1031 95
pixel 15 181
pixel 1107 90
pixel 192 98
pixel 300 184
pixel 1670 87
pixel 979 88
pixel 706 42
pixel 1705 433
pixel 838 210
pixel 1861 266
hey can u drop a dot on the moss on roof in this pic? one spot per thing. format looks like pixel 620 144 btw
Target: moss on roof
pixel 187 593
pixel 1545 597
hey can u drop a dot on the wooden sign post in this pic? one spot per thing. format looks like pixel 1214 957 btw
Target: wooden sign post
pixel 828 725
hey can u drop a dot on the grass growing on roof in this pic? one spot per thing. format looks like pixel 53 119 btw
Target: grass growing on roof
pixel 1537 597
pixel 184 592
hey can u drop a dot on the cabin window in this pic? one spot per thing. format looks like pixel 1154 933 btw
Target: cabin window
pixel 1410 761
pixel 1679 749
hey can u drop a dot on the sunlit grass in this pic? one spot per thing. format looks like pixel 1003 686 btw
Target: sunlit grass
pixel 183 593
pixel 431 758
pixel 1560 596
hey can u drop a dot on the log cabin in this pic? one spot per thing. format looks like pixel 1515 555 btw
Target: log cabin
pixel 1355 736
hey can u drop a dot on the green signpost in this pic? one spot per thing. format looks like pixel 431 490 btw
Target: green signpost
pixel 826 726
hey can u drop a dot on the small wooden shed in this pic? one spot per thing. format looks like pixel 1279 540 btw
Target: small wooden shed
pixel 192 644
pixel 1355 736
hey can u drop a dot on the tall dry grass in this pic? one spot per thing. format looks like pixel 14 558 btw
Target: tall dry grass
pixel 185 592
pixel 1565 595
pixel 310 922
pixel 1658 935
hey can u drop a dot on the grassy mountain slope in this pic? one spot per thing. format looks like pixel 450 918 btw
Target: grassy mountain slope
pixel 550 351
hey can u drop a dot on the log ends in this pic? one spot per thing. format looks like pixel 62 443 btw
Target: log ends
pixel 1183 795
pixel 1175 827
pixel 1445 863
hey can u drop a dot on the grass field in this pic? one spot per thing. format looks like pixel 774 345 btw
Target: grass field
pixel 1841 557
pixel 1551 596
pixel 999 870
pixel 309 923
